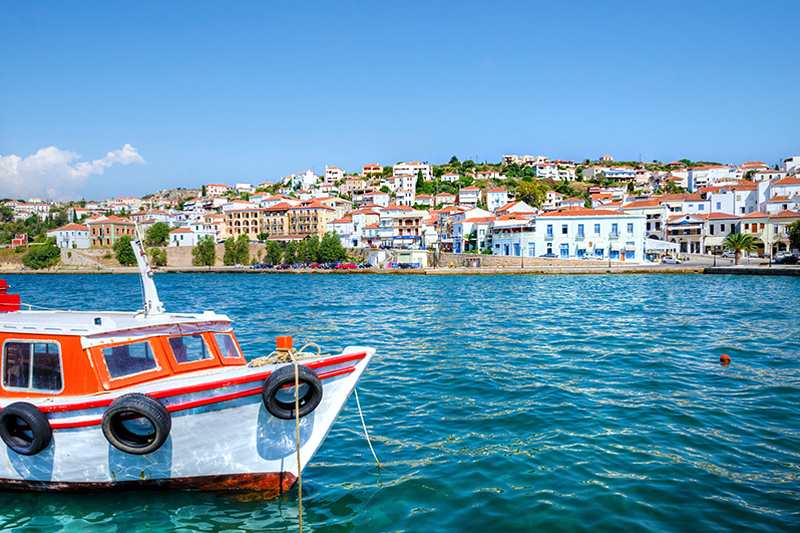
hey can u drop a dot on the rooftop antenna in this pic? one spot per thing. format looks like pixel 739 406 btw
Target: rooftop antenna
pixel 152 305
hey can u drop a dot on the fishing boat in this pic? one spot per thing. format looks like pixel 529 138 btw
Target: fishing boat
pixel 104 401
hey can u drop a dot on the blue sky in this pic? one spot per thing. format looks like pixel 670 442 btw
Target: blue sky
pixel 244 92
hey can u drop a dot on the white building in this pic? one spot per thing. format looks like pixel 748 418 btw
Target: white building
pixel 709 176
pixel 496 198
pixel 470 196
pixel 405 197
pixel 332 175
pixel 570 233
pixel 216 189
pixel 449 177
pixel 246 188
pixel 345 230
pixel 413 168
pixel 71 236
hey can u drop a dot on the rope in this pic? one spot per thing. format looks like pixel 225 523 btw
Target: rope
pixel 365 431
pixel 297 437
pixel 292 356
pixel 285 356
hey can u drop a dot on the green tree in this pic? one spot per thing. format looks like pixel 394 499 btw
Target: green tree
pixel 331 248
pixel 739 242
pixel 205 253
pixel 453 161
pixel 290 252
pixel 231 252
pixel 794 235
pixel 263 236
pixel 243 249
pixel 203 191
pixel 42 256
pixel 385 189
pixel 124 251
pixel 274 252
pixel 532 192
pixel 158 233
pixel 159 256
pixel 309 253
pixel 670 187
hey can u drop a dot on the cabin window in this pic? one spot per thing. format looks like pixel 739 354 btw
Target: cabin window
pixel 189 349
pixel 129 359
pixel 227 346
pixel 32 365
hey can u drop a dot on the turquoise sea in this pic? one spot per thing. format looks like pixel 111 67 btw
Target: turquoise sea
pixel 499 403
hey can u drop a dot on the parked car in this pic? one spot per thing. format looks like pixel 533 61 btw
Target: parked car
pixel 549 255
pixel 787 260
pixel 592 257
pixel 364 265
pixel 754 254
pixel 670 261
pixel 283 267
pixel 781 255
pixel 728 253
pixel 345 266
pixel 405 265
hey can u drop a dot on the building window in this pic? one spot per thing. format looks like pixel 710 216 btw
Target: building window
pixel 615 230
pixel 597 229
pixel 564 229
pixel 719 206
pixel 549 230
pixel 565 251
pixel 630 229
pixel 701 207
pixel 580 230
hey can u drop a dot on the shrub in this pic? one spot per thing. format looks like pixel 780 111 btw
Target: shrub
pixel 41 256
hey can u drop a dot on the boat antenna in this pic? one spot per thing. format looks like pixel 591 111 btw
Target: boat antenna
pixel 152 305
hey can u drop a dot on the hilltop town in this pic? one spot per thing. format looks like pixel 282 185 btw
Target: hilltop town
pixel 523 206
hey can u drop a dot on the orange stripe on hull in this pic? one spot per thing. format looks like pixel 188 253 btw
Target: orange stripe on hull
pixel 267 485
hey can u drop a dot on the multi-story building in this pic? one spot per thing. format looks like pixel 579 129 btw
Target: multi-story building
pixel 413 169
pixel 708 176
pixel 496 198
pixel 275 219
pixel 71 236
pixel 470 196
pixel 217 189
pixel 310 218
pixel 332 175
pixel 371 169
pixel 569 233
pixel 244 222
pixel 106 230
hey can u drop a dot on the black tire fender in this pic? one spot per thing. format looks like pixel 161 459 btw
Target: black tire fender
pixel 285 376
pixel 141 405
pixel 28 440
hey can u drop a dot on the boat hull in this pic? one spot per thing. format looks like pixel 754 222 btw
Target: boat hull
pixel 222 438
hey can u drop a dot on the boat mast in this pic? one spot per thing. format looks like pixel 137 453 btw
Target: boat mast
pixel 152 305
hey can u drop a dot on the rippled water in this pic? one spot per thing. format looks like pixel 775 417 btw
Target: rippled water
pixel 500 403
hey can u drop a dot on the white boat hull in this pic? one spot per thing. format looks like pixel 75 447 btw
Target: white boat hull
pixel 230 444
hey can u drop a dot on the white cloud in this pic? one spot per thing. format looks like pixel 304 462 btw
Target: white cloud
pixel 55 174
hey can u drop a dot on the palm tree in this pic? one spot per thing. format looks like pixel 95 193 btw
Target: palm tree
pixel 739 242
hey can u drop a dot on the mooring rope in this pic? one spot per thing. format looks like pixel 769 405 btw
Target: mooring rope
pixel 297 437
pixel 365 431
pixel 291 355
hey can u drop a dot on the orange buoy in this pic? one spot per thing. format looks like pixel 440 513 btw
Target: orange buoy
pixel 724 360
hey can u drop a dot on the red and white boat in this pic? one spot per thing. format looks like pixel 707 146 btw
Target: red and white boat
pixel 99 401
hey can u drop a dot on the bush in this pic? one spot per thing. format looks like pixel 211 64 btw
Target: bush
pixel 42 257
pixel 124 251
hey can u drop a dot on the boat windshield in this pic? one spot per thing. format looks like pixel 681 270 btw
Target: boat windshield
pixel 227 346
pixel 129 359
pixel 189 348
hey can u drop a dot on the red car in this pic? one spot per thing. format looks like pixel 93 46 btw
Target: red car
pixel 346 266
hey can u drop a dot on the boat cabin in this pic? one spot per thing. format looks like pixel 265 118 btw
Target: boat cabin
pixel 66 353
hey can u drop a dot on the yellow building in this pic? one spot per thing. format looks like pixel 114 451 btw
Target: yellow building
pixel 276 219
pixel 310 218
pixel 244 222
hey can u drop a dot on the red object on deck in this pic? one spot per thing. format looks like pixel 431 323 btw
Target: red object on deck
pixel 8 302
pixel 284 343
